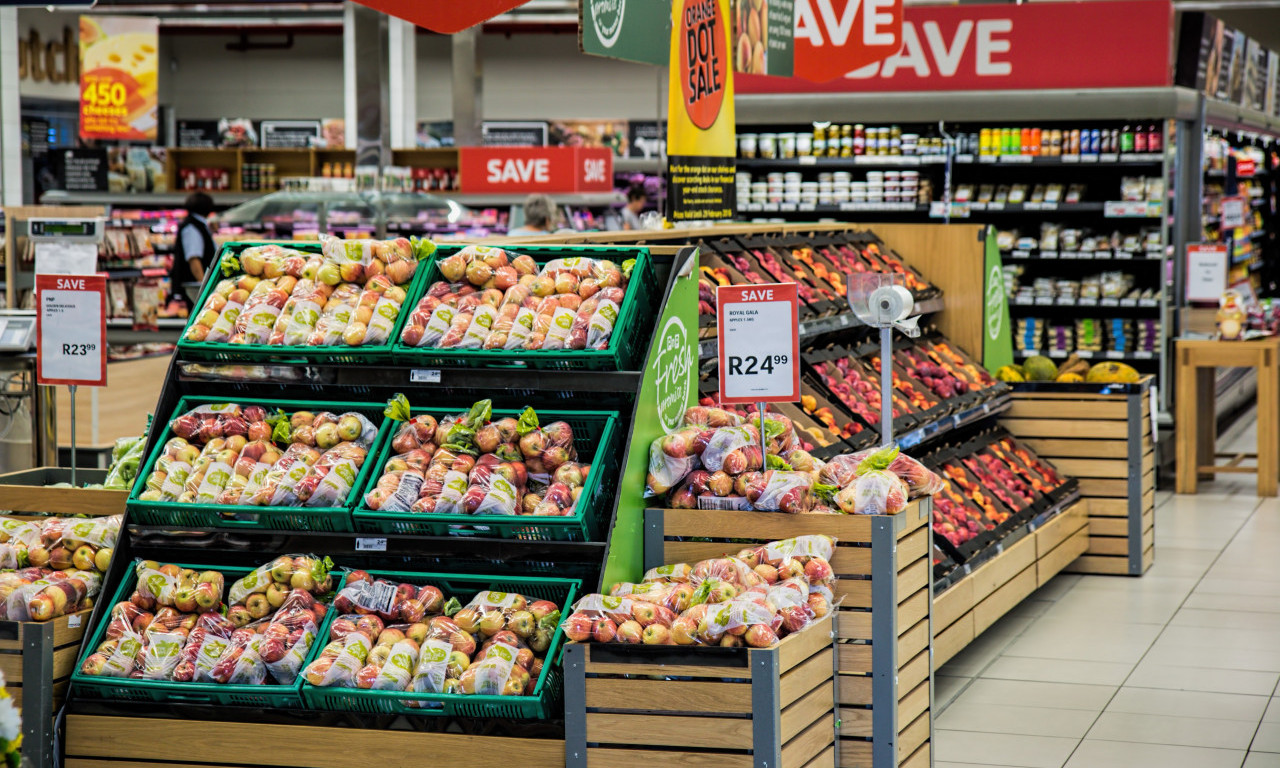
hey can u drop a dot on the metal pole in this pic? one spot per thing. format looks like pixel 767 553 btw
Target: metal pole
pixel 886 386
pixel 72 387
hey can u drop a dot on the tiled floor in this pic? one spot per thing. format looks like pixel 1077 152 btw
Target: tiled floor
pixel 1177 669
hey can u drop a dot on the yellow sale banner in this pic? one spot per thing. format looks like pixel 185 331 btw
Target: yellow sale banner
pixel 118 66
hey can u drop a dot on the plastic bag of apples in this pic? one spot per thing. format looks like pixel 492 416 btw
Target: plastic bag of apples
pixel 754 598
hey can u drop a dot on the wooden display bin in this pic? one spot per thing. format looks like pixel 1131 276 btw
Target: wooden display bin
pixel 37 658
pixel 969 606
pixel 730 708
pixel 26 491
pixel 1100 434
pixel 883 582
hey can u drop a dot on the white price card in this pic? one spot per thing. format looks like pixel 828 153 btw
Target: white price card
pixel 71 330
pixel 1206 271
pixel 759 343
pixel 1233 212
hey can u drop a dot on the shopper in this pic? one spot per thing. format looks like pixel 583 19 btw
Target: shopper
pixel 539 217
pixel 637 199
pixel 193 249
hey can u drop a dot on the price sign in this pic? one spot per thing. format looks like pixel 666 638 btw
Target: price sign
pixel 71 330
pixel 759 343
pixel 1206 271
pixel 1233 212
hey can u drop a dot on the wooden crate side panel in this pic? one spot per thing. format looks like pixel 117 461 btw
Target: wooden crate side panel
pixel 953 639
pixel 668 730
pixel 809 709
pixel 912 736
pixel 918 759
pixel 1052 563
pixel 797 648
pixel 1089 410
pixel 994 574
pixel 856 624
pixel 810 743
pixel 1056 428
pixel 825 759
pixel 955 602
pixel 693 695
pixel 604 757
pixel 914 703
pixel 1093 468
pixel 1003 599
pixel 855 754
pixel 805 677
pixel 1060 528
pixel 1055 449
pixel 853 690
pixel 160 739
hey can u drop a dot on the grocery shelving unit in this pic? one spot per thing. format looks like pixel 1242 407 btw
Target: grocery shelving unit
pixel 106 730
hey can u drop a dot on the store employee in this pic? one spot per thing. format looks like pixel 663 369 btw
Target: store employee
pixel 194 249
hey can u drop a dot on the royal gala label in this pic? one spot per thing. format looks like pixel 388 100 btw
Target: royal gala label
pixel 704 62
pixel 1100 44
pixel 535 169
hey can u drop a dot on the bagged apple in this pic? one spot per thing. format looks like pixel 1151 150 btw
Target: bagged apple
pixel 679 573
pixel 330 479
pixel 306 572
pixel 395 671
pixel 16 537
pixel 163 652
pixel 432 671
pixel 779 491
pixel 240 664
pixel 673 596
pixel 339 662
pixel 114 658
pixel 497 674
pixel 489 613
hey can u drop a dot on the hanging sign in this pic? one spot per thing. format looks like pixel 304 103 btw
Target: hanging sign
pixel 444 16
pixel 507 170
pixel 118 72
pixel 1112 44
pixel 71 330
pixel 763 34
pixel 759 343
pixel 1206 271
pixel 1233 212
pixel 631 30
pixel 701 145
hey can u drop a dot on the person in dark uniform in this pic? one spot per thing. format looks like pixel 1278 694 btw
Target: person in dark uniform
pixel 193 250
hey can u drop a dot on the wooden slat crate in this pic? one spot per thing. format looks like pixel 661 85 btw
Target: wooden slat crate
pixel 103 741
pixel 730 708
pixel 883 585
pixel 969 606
pixel 1104 438
pixel 26 491
pixel 37 659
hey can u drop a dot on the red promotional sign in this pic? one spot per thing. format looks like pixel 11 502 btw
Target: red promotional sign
pixel 1246 167
pixel 834 37
pixel 71 330
pixel 535 169
pixel 444 16
pixel 758 336
pixel 1100 44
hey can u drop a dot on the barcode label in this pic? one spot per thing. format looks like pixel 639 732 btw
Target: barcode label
pixel 723 502
pixel 424 376
pixel 378 596
pixel 73 621
pixel 371 545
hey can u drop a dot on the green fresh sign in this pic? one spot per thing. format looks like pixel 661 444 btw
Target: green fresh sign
pixel 670 386
pixel 632 30
pixel 997 338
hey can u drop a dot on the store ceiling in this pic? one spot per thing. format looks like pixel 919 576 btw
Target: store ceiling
pixel 222 13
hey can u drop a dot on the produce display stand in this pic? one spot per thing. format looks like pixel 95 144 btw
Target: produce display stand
pixel 37 659
pixel 27 491
pixel 884 616
pixel 1102 435
pixel 173 732
pixel 1024 561
pixel 737 707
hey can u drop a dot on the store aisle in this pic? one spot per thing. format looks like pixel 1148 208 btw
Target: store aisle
pixel 1177 669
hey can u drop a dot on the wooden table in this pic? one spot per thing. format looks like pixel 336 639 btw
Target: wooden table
pixel 1195 422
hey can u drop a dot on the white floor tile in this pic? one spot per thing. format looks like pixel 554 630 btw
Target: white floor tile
pixel 1098 753
pixel 1185 678
pixel 1084 640
pixel 1267 739
pixel 1273 711
pixel 1155 701
pixel 1262 760
pixel 1026 693
pixel 1199 617
pixel 1211 601
pixel 1180 731
pixel 946 688
pixel 1026 721
pixel 999 749
pixel 1058 670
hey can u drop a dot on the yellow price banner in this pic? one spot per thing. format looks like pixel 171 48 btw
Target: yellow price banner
pixel 118 74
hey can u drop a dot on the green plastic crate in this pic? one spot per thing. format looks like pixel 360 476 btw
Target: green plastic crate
pixel 562 592
pixel 598 439
pixel 171 513
pixel 219 351
pixel 266 696
pixel 627 344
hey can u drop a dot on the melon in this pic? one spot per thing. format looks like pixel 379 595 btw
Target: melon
pixel 1039 368
pixel 1112 373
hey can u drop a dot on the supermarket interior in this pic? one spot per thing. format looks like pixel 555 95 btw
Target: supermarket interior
pixel 709 383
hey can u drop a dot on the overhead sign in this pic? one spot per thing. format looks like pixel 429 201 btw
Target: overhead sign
pixel 118 73
pixel 834 37
pixel 444 16
pixel 71 330
pixel 1206 271
pixel 535 169
pixel 701 145
pixel 632 30
pixel 759 343
pixel 1099 44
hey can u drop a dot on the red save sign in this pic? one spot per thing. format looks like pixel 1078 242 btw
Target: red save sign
pixel 1100 44
pixel 444 16
pixel 71 330
pixel 758 338
pixel 535 169
pixel 834 37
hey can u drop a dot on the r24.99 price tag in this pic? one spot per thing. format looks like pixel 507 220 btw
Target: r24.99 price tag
pixel 759 343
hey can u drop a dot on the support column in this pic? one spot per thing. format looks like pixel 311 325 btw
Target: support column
pixel 1188 191
pixel 10 111
pixel 366 90
pixel 468 88
pixel 403 83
